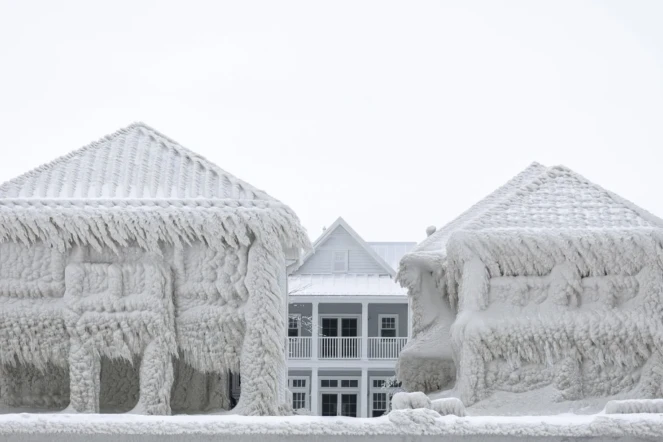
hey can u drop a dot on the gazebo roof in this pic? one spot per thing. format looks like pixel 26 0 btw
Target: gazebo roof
pixel 135 163
pixel 137 185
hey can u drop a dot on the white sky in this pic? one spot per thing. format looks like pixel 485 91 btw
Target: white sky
pixel 395 115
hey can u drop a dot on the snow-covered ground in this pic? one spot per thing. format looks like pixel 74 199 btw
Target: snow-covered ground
pixel 411 425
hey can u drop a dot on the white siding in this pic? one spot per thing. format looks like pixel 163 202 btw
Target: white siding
pixel 359 260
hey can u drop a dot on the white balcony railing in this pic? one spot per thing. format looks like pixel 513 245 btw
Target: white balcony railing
pixel 299 348
pixel 339 348
pixel 385 348
pixel 345 348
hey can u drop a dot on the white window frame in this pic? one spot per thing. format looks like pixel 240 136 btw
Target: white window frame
pixel 390 391
pixel 339 391
pixel 346 254
pixel 306 389
pixel 299 324
pixel 380 325
pixel 339 318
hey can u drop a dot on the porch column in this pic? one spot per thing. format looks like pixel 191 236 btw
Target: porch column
pixel 314 392
pixel 364 330
pixel 315 333
pixel 363 403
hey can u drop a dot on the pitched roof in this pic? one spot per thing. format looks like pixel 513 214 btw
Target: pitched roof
pixel 344 285
pixel 340 222
pixel 437 241
pixel 137 163
pixel 560 199
pixel 137 186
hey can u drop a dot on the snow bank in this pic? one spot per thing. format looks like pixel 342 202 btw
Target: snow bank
pixel 410 423
pixel 406 401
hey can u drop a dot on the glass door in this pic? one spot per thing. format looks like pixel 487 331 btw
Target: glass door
pixel 349 329
pixel 329 347
pixel 349 405
pixel 330 404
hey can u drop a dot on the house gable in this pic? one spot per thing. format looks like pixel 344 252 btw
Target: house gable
pixel 362 259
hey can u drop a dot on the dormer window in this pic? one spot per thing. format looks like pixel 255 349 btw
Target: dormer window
pixel 339 261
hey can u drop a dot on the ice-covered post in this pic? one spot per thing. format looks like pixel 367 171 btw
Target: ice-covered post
pixel 262 360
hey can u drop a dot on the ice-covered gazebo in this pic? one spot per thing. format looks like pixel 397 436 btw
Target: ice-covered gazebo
pixel 551 282
pixel 135 274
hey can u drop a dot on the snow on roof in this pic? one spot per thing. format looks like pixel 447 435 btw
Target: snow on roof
pixel 138 186
pixel 343 285
pixel 552 210
pixel 561 199
pixel 438 240
pixel 392 252
pixel 136 162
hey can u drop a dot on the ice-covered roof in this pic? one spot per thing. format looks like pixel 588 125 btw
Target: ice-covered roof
pixel 438 240
pixel 138 186
pixel 554 208
pixel 560 199
pixel 344 285
pixel 136 163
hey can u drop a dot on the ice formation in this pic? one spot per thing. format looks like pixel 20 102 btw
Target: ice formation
pixel 136 275
pixel 549 281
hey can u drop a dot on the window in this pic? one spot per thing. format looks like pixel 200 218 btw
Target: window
pixel 349 383
pixel 298 400
pixel 379 404
pixel 340 261
pixel 299 383
pixel 299 388
pixel 388 326
pixel 294 325
pixel 382 390
pixel 328 383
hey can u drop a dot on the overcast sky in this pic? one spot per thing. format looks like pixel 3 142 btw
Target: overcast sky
pixel 394 115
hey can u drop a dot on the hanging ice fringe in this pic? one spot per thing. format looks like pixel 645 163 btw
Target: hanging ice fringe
pixel 549 281
pixel 134 254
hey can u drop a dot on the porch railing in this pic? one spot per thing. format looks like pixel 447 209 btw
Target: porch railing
pixel 385 348
pixel 299 348
pixel 345 347
pixel 339 348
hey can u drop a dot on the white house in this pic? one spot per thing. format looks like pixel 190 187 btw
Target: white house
pixel 551 284
pixel 136 275
pixel 348 322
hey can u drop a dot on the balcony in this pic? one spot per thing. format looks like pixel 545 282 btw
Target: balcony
pixel 345 348
pixel 385 348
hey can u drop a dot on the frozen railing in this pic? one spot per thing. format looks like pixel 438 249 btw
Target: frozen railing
pixel 339 348
pixel 385 348
pixel 299 348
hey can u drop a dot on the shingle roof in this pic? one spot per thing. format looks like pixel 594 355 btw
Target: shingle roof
pixel 136 162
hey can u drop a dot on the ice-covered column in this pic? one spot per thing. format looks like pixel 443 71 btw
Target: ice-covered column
pixel 263 359
pixel 156 379
pixel 84 377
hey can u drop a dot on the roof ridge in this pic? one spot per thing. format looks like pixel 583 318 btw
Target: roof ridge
pixel 198 161
pixel 546 177
pixel 464 217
